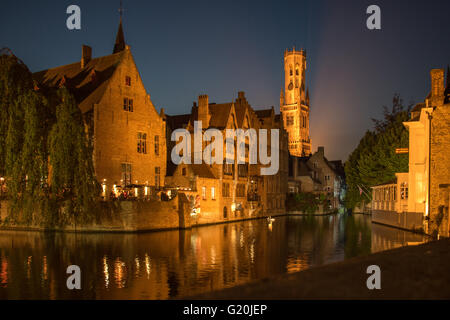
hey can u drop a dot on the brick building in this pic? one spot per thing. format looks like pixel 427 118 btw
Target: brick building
pixel 420 197
pixel 229 191
pixel 127 133
pixel 316 174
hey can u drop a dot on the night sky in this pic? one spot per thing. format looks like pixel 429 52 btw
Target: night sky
pixel 186 48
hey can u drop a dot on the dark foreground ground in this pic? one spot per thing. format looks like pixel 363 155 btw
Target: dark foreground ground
pixel 415 272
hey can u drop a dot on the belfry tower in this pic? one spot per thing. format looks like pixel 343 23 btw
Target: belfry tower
pixel 294 103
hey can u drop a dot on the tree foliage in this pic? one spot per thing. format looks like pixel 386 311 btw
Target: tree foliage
pixel 38 126
pixel 375 161
pixel 306 202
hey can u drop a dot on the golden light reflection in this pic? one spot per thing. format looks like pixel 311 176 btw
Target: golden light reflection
pixel 120 273
pixel 4 272
pixel 148 267
pixel 296 264
pixel 44 269
pixel 29 261
pixel 106 271
pixel 138 266
pixel 213 255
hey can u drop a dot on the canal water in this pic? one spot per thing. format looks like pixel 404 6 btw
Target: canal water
pixel 171 264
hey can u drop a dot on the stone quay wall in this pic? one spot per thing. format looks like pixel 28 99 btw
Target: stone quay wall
pixel 404 220
pixel 141 216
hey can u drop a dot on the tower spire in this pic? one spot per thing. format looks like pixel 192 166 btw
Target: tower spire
pixel 120 38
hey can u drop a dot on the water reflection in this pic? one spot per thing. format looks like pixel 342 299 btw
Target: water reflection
pixel 179 263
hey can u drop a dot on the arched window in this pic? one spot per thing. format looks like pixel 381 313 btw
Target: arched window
pixel 225 212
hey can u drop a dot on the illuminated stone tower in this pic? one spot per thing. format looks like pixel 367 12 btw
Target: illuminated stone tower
pixel 294 103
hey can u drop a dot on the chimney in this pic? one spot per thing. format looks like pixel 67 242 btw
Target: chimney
pixel 203 110
pixel 321 150
pixel 437 86
pixel 86 55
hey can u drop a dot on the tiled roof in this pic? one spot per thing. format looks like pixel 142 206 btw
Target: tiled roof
pixel 178 121
pixel 219 115
pixel 266 113
pixel 202 170
pixel 88 84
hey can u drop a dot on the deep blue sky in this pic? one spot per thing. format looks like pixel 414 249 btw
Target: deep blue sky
pixel 186 48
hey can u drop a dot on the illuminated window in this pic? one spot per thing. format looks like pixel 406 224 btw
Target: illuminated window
pixel 403 191
pixel 213 193
pixel 204 193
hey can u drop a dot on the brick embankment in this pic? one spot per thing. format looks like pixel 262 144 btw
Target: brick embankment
pixel 415 272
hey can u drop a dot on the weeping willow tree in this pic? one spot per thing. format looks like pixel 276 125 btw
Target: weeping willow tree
pixel 72 173
pixel 15 80
pixel 37 128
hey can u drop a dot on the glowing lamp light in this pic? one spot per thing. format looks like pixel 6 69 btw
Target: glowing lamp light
pixel 146 191
pixel 233 207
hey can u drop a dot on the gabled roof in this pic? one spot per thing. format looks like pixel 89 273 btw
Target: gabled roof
pixel 219 115
pixel 266 113
pixel 178 121
pixel 202 170
pixel 88 84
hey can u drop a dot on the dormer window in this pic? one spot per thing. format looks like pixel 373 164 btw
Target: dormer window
pixel 128 81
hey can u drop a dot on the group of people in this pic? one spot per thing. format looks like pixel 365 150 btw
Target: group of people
pixel 123 195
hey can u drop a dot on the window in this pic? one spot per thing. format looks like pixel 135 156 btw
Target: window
pixel 183 171
pixel 157 145
pixel 404 191
pixel 128 81
pixel 213 193
pixel 243 170
pixel 228 169
pixel 157 177
pixel 204 193
pixel 128 104
pixel 240 190
pixel 142 143
pixel 126 173
pixel 289 121
pixel 226 190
